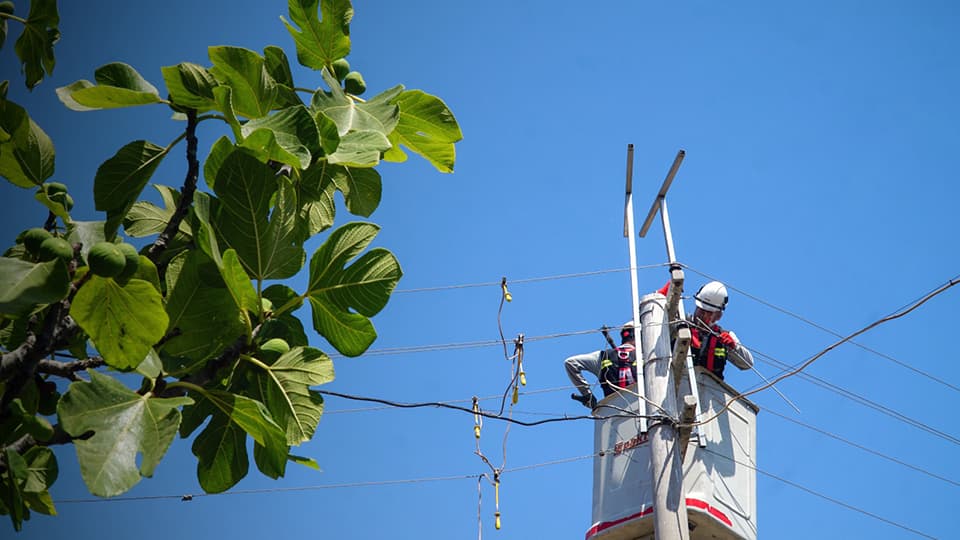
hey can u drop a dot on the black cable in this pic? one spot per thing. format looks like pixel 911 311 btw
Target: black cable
pixel 481 413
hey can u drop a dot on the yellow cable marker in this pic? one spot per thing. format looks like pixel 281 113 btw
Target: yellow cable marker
pixel 496 491
pixel 506 294
pixel 516 394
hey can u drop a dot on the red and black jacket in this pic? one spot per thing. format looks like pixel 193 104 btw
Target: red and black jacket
pixel 707 350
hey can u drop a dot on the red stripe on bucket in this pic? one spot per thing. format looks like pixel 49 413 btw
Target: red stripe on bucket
pixel 696 503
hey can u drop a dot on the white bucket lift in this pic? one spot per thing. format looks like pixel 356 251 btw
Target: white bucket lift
pixel 719 474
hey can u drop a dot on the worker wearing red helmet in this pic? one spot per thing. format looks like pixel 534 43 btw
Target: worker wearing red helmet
pixel 711 345
pixel 614 368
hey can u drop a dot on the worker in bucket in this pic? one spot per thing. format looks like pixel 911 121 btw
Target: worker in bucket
pixel 711 345
pixel 614 368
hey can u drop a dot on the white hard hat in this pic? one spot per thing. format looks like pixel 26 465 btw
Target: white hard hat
pixel 712 297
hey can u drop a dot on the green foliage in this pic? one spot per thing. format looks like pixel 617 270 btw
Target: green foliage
pixel 121 179
pixel 123 322
pixel 220 348
pixel 118 85
pixel 27 285
pixel 427 127
pixel 123 424
pixel 320 41
pixel 365 286
pixel 34 47
pixel 26 152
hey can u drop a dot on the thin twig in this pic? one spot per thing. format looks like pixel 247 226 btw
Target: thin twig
pixel 186 194
pixel 69 369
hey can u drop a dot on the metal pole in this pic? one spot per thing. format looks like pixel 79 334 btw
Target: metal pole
pixel 669 500
pixel 691 373
pixel 628 231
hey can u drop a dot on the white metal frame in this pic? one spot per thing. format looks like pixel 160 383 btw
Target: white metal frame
pixel 629 233
pixel 660 205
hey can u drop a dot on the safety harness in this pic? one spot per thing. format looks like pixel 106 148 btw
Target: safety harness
pixel 710 352
pixel 617 368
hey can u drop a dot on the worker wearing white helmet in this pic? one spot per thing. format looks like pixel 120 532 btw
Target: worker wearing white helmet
pixel 614 367
pixel 711 345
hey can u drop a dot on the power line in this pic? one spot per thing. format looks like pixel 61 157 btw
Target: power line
pixel 812 359
pixel 824 497
pixel 375 483
pixel 190 497
pixel 490 343
pixel 865 401
pixel 529 280
pixel 440 404
pixel 463 345
pixel 379 483
pixel 863 448
pixel 452 401
pixel 614 270
pixel 801 318
pixel 767 410
pixel 769 360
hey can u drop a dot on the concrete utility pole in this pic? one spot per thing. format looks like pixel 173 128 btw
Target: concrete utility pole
pixel 669 499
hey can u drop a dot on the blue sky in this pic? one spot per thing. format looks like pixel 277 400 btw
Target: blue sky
pixel 820 177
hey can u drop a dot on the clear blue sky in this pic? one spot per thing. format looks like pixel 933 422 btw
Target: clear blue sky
pixel 820 177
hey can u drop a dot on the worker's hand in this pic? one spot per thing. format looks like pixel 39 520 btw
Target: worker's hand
pixel 729 339
pixel 587 401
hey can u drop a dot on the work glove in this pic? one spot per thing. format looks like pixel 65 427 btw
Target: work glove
pixel 729 339
pixel 588 400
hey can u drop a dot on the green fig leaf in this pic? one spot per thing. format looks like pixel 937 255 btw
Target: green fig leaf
pixel 124 424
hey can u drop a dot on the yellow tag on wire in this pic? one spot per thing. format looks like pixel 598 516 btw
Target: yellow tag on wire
pixel 506 294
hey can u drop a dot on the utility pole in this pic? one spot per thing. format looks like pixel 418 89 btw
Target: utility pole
pixel 669 499
pixel 659 396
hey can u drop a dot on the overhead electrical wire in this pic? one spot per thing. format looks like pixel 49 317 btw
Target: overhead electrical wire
pixel 835 333
pixel 345 485
pixel 529 280
pixel 865 401
pixel 440 404
pixel 802 366
pixel 772 360
pixel 766 410
pixel 462 345
pixel 452 401
pixel 824 497
pixel 863 448
pixel 757 299
pixel 793 371
pixel 381 483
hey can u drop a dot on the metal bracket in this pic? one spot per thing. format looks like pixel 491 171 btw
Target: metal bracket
pixel 681 346
pixel 687 417
pixel 674 292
